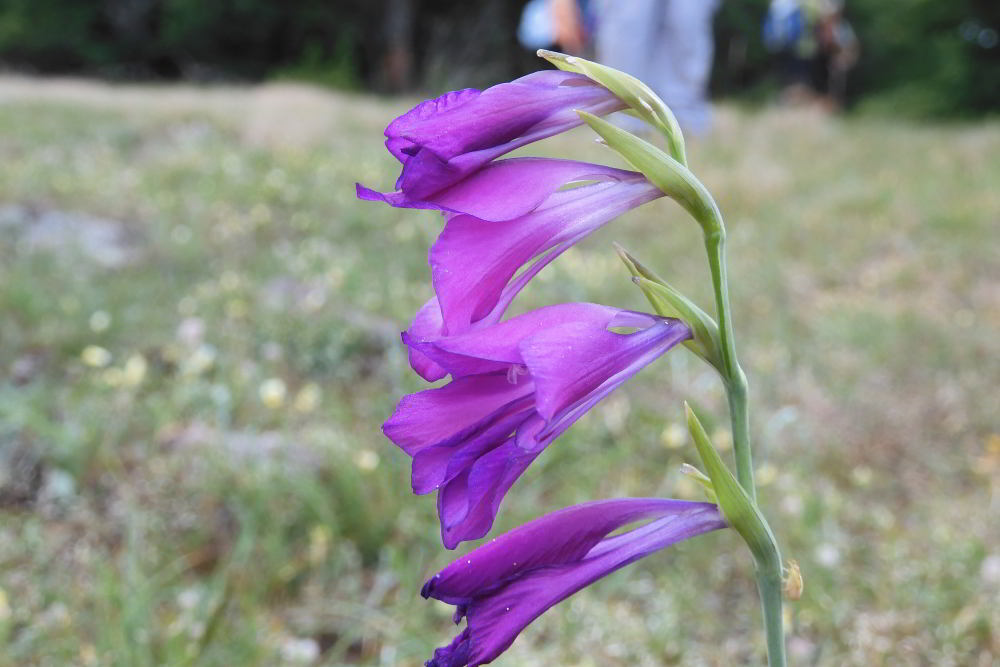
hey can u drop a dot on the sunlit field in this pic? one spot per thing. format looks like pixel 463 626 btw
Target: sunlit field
pixel 199 342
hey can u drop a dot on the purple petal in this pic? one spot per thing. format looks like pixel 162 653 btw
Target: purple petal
pixel 487 349
pixel 420 115
pixel 501 190
pixel 575 363
pixel 432 416
pixel 441 141
pixel 472 262
pixel 427 324
pixel 440 463
pixel 468 504
pixel 455 654
pixel 505 584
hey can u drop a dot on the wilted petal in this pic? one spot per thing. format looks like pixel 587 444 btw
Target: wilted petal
pixel 507 583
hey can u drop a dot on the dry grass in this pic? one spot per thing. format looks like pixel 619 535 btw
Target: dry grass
pixel 193 430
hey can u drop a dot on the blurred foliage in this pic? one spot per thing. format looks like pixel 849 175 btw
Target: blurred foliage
pixel 195 398
pixel 338 44
pixel 921 57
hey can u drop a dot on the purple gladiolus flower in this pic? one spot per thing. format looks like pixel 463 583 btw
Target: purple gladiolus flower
pixel 500 218
pixel 504 585
pixel 516 386
pixel 474 264
pixel 441 141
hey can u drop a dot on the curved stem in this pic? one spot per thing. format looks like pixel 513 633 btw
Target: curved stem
pixel 735 379
pixel 766 556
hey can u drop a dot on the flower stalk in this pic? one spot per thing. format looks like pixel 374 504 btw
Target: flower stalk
pixel 517 384
pixel 670 173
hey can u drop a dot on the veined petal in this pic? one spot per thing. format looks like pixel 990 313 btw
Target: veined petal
pixel 496 348
pixel 501 190
pixel 425 114
pixel 507 583
pixel 468 504
pixel 443 140
pixel 440 463
pixel 436 415
pixel 472 261
pixel 576 364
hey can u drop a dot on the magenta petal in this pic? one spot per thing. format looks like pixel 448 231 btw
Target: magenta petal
pixel 507 583
pixel 472 262
pixel 501 190
pixel 441 141
pixel 429 417
pixel 572 361
pixel 427 324
pixel 468 504
pixel 496 348
pixel 508 189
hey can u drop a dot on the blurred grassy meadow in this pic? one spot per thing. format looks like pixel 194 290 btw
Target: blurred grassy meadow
pixel 199 344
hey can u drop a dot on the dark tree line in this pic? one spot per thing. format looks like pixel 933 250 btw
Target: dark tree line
pixel 929 56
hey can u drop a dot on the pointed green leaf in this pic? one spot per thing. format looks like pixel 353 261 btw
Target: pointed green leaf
pixel 663 171
pixel 706 331
pixel 741 513
pixel 643 101
pixel 704 482
pixel 669 302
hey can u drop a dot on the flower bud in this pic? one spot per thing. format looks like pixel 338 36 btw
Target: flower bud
pixel 669 302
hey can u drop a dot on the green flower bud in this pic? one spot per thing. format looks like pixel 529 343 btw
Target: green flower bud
pixel 669 302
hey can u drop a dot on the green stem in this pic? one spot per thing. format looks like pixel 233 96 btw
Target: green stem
pixel 766 555
pixel 769 588
pixel 735 379
pixel 736 393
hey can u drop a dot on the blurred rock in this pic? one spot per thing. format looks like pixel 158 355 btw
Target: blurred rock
pixel 107 243
pixel 20 472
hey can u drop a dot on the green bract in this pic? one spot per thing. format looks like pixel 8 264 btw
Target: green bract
pixel 663 171
pixel 633 92
pixel 741 512
pixel 669 302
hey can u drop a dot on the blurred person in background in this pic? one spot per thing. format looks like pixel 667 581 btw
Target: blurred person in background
pixel 561 25
pixel 839 51
pixel 816 48
pixel 666 43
